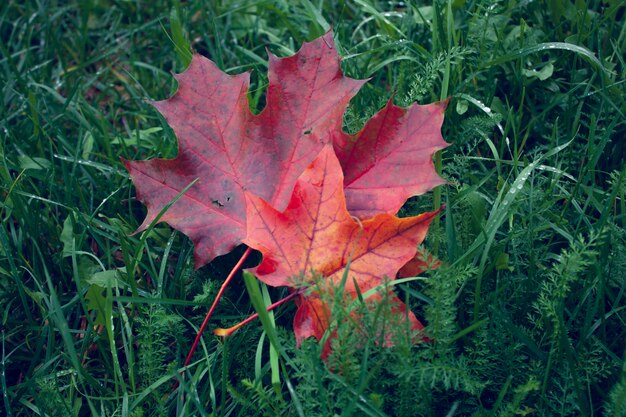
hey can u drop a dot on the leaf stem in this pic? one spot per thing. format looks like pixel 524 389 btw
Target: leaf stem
pixel 214 305
pixel 231 330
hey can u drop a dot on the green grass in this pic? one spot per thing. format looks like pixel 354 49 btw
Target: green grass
pixel 528 312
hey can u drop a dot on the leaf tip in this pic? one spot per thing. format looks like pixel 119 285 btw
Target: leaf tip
pixel 125 162
pixel 267 266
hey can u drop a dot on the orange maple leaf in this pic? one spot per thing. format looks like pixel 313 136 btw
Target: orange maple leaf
pixel 316 235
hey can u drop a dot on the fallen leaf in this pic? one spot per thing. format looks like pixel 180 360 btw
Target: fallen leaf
pixel 316 236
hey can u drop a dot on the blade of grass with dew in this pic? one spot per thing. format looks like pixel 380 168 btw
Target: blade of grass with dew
pixel 498 214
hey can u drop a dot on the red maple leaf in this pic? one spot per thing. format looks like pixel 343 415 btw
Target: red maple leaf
pixel 230 150
pixel 316 235
pixel 390 159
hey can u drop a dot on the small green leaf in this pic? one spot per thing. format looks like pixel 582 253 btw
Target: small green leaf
pixel 145 137
pixel 26 162
pixel 87 146
pixel 96 301
pixel 67 236
pixel 36 296
pixel 461 106
pixel 542 74
pixel 502 262
pixel 105 279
